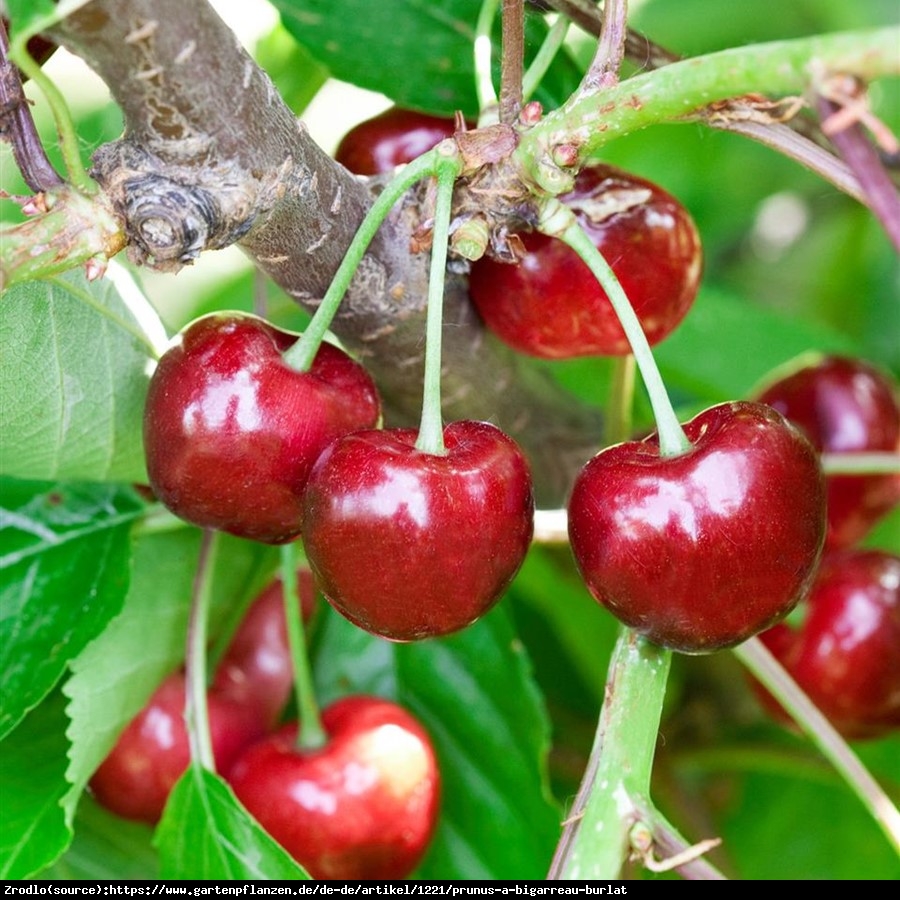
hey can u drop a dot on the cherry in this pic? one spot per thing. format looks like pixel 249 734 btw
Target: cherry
pixel 844 405
pixel 257 669
pixel 390 139
pixel 231 431
pixel 151 754
pixel 550 305
pixel 845 653
pixel 701 551
pixel 251 687
pixel 363 806
pixel 410 545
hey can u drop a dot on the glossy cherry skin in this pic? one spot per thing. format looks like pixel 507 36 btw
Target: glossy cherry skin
pixel 845 652
pixel 550 305
pixel 845 405
pixel 257 669
pixel 250 690
pixel 152 753
pixel 411 545
pixel 390 139
pixel 701 551
pixel 363 806
pixel 231 431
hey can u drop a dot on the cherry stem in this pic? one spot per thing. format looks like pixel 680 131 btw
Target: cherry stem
pixel 482 48
pixel 765 668
pixel 559 221
pixel 431 427
pixel 65 127
pixel 616 783
pixel 604 69
pixel 512 61
pixel 861 463
pixel 311 734
pixel 621 399
pixel 300 356
pixel 196 711
pixel 544 57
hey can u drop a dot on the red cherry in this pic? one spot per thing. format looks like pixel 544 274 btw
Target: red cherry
pixel 410 545
pixel 364 806
pixel 703 550
pixel 390 139
pixel 845 406
pixel 845 653
pixel 151 754
pixel 231 431
pixel 251 687
pixel 257 669
pixel 550 305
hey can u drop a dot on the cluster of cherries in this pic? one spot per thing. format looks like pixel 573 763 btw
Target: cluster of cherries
pixel 363 805
pixel 697 550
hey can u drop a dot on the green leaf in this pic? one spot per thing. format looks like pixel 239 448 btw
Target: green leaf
pixel 64 552
pixel 33 830
pixel 474 693
pixel 73 378
pixel 116 673
pixel 205 833
pixel 107 848
pixel 418 53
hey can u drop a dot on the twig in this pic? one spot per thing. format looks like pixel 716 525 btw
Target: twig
pixel 17 126
pixel 512 61
pixel 851 141
pixel 604 69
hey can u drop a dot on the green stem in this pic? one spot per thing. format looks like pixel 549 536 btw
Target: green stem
pixel 754 655
pixel 549 48
pixel 311 733
pixel 65 127
pixel 861 463
pixel 621 400
pixel 672 439
pixel 676 91
pixel 196 710
pixel 301 355
pixel 617 781
pixel 482 48
pixel 431 427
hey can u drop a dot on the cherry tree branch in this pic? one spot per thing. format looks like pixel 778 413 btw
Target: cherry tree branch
pixel 210 161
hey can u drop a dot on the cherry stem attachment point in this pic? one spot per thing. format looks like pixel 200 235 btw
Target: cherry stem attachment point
pixel 431 427
pixel 311 733
pixel 196 711
pixel 301 355
pixel 560 222
pixel 764 667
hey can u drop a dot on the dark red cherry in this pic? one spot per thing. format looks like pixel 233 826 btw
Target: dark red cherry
pixel 390 139
pixel 257 669
pixel 363 806
pixel 703 550
pixel 152 753
pixel 251 687
pixel 411 545
pixel 231 431
pixel 550 305
pixel 845 405
pixel 845 650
